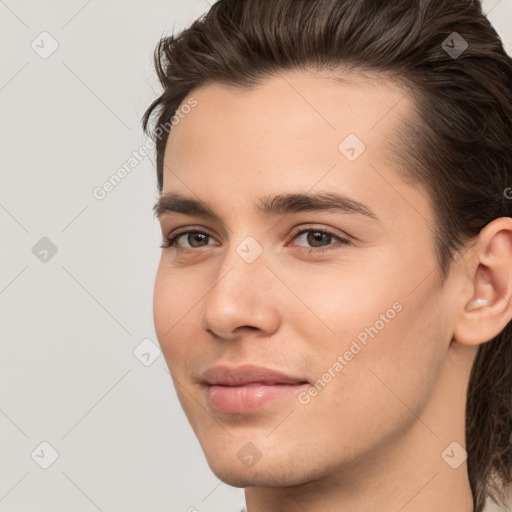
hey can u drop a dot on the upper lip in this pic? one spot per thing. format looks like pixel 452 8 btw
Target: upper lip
pixel 246 374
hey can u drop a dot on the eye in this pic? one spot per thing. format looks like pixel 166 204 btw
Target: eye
pixel 319 240
pixel 191 236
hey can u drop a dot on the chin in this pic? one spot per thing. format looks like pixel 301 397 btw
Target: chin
pixel 239 479
pixel 265 473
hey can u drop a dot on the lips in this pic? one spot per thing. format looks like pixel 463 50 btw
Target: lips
pixel 248 388
pixel 247 374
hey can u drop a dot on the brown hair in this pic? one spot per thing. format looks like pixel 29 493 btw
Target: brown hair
pixel 459 145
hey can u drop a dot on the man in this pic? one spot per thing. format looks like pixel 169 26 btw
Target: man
pixel 333 298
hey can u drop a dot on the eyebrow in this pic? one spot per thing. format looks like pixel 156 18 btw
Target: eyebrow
pixel 281 204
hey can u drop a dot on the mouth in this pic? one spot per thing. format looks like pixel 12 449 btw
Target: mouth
pixel 248 388
pixel 250 397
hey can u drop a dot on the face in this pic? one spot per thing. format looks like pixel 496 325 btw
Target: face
pixel 347 300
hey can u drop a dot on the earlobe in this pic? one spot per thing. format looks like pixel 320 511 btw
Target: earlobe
pixel 489 309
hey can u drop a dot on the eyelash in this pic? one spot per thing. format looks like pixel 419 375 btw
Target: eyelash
pixel 170 241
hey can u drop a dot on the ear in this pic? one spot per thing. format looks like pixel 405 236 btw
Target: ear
pixel 489 310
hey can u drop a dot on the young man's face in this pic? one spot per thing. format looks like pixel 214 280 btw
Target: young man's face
pixel 366 320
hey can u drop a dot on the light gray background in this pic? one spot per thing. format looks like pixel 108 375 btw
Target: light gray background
pixel 70 324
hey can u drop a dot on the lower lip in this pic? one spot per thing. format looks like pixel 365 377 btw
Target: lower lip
pixel 248 398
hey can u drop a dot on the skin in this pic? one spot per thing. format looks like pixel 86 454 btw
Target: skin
pixel 372 439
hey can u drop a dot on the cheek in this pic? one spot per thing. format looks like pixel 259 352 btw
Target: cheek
pixel 333 304
pixel 386 329
pixel 392 345
pixel 173 302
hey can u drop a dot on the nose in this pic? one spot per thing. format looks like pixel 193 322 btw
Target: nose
pixel 242 297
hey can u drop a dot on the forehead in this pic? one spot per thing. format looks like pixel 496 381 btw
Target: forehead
pixel 363 100
pixel 290 114
pixel 294 132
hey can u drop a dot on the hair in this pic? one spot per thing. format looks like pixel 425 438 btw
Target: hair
pixel 458 145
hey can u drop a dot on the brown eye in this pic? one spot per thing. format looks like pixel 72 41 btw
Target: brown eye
pixel 320 240
pixel 194 238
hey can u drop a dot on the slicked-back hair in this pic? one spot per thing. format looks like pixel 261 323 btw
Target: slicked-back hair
pixel 458 145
